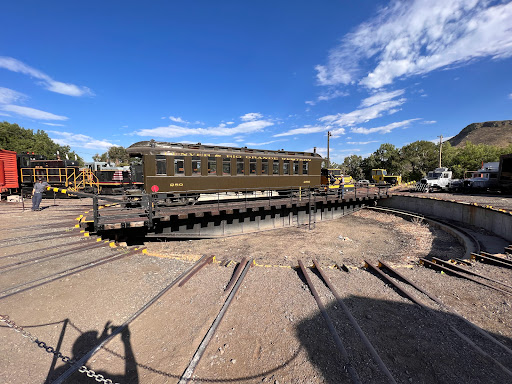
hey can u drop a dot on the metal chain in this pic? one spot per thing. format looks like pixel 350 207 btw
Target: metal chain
pixel 66 359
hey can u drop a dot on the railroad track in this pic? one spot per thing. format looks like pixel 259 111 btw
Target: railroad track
pixel 215 323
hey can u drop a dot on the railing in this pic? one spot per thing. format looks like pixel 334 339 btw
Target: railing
pixel 148 207
pixel 84 178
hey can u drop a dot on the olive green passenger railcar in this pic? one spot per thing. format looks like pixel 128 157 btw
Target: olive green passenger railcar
pixel 174 168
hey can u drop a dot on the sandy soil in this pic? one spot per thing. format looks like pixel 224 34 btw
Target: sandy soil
pixel 273 331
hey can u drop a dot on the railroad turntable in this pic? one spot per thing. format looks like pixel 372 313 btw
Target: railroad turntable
pixel 134 320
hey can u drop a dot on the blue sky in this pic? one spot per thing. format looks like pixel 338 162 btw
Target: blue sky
pixel 262 74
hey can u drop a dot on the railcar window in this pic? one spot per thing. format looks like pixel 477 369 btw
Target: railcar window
pixel 196 165
pixel 252 166
pixel 226 167
pixel 264 166
pixel 286 167
pixel 239 166
pixel 275 167
pixel 212 166
pixel 179 165
pixel 305 168
pixel 295 167
pixel 161 165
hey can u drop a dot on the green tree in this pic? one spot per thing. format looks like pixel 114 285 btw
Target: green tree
pixel 115 154
pixel 418 158
pixel 352 166
pixel 18 139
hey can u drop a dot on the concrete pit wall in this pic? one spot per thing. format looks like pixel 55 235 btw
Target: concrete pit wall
pixel 493 220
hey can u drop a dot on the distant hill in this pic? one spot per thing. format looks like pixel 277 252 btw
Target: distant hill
pixel 498 133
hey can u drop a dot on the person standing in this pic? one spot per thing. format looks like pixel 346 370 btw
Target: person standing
pixel 37 193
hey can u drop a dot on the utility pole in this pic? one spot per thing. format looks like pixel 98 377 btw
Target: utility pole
pixel 328 158
pixel 440 148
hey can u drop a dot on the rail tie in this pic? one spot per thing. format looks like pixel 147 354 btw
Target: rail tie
pixel 353 374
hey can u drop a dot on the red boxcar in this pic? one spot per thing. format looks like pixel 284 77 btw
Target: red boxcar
pixel 8 170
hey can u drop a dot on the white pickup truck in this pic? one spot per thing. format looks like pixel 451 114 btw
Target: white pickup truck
pixel 437 180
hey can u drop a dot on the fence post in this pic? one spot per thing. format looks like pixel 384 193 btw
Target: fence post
pixel 150 210
pixel 96 212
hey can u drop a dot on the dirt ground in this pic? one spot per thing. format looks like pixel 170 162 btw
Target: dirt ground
pixel 273 331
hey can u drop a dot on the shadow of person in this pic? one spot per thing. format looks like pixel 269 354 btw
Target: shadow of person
pixel 89 340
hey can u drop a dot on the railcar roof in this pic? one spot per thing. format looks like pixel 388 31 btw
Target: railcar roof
pixel 156 147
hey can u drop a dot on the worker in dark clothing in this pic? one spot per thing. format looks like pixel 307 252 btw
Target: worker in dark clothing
pixel 37 193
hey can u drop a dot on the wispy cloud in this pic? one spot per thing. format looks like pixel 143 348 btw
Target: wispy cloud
pixel 264 143
pixel 78 140
pixel 381 97
pixel 31 112
pixel 178 120
pixel 328 95
pixel 172 131
pixel 510 96
pixel 8 96
pixel 307 129
pixel 363 115
pixel 362 142
pixel 251 116
pixel 384 129
pixel 428 122
pixel 46 81
pixel 54 125
pixel 415 37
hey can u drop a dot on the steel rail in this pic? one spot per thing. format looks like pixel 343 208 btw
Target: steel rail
pixel 355 324
pixel 494 257
pixel 51 256
pixel 353 374
pixel 460 269
pixel 421 305
pixel 431 264
pixel 447 307
pixel 189 371
pixel 65 273
pixel 236 274
pixel 45 234
pixel 42 249
pixel 489 260
pixel 122 327
pixel 61 236
pixel 208 260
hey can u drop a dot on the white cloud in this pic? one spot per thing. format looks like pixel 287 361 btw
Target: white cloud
pixel 262 144
pixel 178 120
pixel 50 84
pixel 381 97
pixel 364 114
pixel 429 122
pixel 251 116
pixel 361 142
pixel 8 96
pixel 328 95
pixel 384 129
pixel 510 96
pixel 303 131
pixel 54 125
pixel 79 140
pixel 415 37
pixel 31 112
pixel 222 130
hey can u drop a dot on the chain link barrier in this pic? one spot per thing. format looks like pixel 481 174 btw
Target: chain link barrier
pixel 66 359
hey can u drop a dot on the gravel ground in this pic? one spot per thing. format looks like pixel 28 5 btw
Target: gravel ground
pixel 273 332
